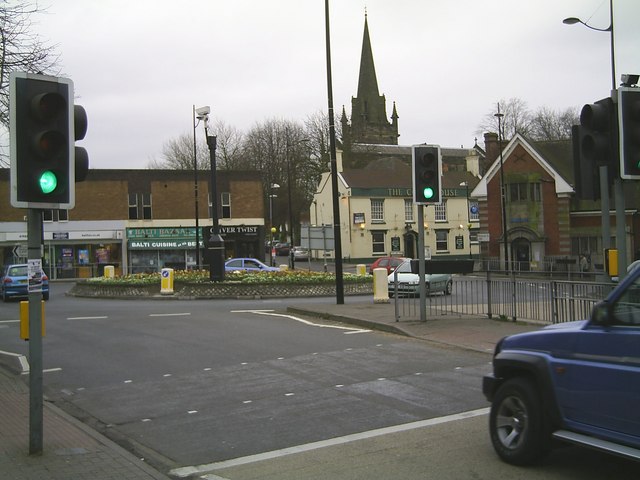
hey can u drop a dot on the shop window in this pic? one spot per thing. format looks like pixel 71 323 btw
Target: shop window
pixel 377 210
pixel 226 205
pixel 377 243
pixel 441 211
pixel 408 210
pixel 442 244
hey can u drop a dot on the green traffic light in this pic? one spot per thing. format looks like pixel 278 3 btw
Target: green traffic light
pixel 48 181
pixel 428 192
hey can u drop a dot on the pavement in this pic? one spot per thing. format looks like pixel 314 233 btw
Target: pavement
pixel 72 450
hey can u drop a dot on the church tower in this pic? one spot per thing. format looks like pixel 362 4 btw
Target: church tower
pixel 369 122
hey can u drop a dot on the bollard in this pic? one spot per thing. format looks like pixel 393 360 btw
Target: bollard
pixel 109 271
pixel 166 281
pixel 284 268
pixel 361 269
pixel 380 285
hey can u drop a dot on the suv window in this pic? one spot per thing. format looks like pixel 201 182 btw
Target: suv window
pixel 626 310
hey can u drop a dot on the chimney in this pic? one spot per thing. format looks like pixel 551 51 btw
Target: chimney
pixel 491 147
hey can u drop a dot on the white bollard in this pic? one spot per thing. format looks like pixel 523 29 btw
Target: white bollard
pixel 380 285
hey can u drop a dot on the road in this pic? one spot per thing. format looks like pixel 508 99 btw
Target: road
pixel 193 385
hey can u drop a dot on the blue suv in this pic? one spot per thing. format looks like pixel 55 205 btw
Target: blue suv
pixel 578 382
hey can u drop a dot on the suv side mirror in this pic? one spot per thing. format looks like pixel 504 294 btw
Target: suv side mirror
pixel 602 314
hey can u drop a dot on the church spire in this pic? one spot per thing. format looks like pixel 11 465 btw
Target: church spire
pixel 367 80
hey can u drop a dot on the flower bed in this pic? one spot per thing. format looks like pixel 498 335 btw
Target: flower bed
pixel 196 284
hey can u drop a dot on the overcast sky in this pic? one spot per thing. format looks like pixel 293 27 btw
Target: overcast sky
pixel 140 65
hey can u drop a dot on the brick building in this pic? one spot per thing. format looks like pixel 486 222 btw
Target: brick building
pixel 139 220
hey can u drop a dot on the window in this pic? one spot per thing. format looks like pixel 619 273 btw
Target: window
pixel 226 205
pixel 140 203
pixel 55 215
pixel 441 211
pixel 408 210
pixel 133 206
pixel 442 244
pixel 146 206
pixel 377 243
pixel 377 210
pixel 524 192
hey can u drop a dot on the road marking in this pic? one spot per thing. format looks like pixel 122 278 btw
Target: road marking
pixel 184 314
pixel 88 318
pixel 183 472
pixel 45 370
pixel 348 330
pixel 9 321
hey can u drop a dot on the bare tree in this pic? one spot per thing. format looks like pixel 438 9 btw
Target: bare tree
pixel 549 124
pixel 516 118
pixel 177 154
pixel 543 124
pixel 20 50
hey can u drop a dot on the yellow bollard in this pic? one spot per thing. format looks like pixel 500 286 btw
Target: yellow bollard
pixel 361 269
pixel 166 281
pixel 24 319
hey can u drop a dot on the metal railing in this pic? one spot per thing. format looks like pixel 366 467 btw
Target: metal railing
pixel 514 298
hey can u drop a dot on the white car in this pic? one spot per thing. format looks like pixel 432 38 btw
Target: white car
pixel 409 283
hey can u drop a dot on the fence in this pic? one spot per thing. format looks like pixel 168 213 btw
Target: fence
pixel 516 297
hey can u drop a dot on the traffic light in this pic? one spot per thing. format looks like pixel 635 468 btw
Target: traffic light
pixel 41 139
pixel 427 174
pixel 595 144
pixel 629 116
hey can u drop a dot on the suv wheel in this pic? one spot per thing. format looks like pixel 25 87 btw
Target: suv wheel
pixel 517 424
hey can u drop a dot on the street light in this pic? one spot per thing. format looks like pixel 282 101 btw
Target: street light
pixel 503 193
pixel 289 201
pixel 202 114
pixel 271 228
pixel 604 180
pixel 465 184
pixel 574 20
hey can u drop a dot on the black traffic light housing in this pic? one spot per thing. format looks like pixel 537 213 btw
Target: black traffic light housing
pixel 595 144
pixel 629 118
pixel 427 174
pixel 44 124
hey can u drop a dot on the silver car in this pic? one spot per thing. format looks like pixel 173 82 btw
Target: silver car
pixel 409 283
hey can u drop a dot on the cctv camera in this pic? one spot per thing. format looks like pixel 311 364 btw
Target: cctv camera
pixel 202 111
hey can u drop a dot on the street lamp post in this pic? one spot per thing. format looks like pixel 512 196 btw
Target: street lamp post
pixel 202 113
pixel 465 184
pixel 503 193
pixel 604 183
pixel 272 186
pixel 215 242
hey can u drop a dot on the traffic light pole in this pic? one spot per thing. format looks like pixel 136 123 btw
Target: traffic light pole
pixel 34 244
pixel 421 266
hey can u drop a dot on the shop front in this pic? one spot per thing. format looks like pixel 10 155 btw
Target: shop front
pixel 69 254
pixel 152 249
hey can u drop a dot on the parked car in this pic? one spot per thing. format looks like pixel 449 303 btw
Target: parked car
pixel 300 253
pixel 409 282
pixel 283 249
pixel 390 263
pixel 247 265
pixel 577 382
pixel 14 282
